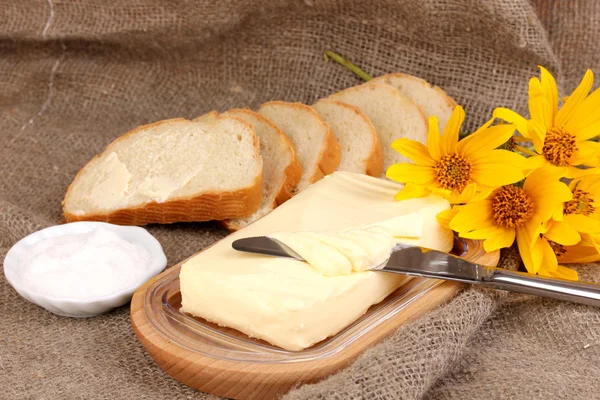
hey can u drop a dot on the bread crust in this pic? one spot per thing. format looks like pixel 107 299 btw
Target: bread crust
pixel 450 102
pixel 374 164
pixel 204 207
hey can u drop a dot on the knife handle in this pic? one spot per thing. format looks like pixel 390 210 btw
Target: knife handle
pixel 559 289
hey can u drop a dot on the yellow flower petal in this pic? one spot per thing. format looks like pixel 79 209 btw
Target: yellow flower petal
pixel 504 239
pixel 411 173
pixel 562 273
pixel 535 162
pixel 567 112
pixel 530 246
pixel 414 150
pixel 476 215
pixel 498 168
pixel 433 139
pixel 537 133
pixel 485 140
pixel 585 151
pixel 550 89
pixel 549 203
pixel 575 172
pixel 580 254
pixel 540 178
pixel 411 191
pixel 539 107
pixel 588 131
pixel 433 188
pixel 483 233
pixel 443 218
pixel 581 223
pixel 483 127
pixel 500 156
pixel 450 136
pixel 465 196
pixel 588 113
pixel 549 261
pixel 512 117
pixel 562 233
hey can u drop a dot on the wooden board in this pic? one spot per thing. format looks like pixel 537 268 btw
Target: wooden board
pixel 243 380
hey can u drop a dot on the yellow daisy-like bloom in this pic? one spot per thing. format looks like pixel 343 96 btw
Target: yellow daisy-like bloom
pixel 513 212
pixel 459 171
pixel 581 213
pixel 560 138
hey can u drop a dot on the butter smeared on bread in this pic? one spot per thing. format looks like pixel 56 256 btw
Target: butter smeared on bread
pixel 317 148
pixel 281 168
pixel 172 171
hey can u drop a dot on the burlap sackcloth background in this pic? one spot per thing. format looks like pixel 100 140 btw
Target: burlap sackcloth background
pixel 76 74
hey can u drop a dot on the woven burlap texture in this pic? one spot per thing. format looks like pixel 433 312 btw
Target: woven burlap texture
pixel 74 75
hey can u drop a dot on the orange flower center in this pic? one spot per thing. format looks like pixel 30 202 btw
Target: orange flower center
pixel 582 203
pixel 558 249
pixel 511 206
pixel 453 172
pixel 559 147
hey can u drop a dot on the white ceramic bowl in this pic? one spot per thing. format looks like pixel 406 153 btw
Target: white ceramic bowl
pixel 72 307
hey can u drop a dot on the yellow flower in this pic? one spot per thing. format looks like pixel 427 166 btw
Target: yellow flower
pixel 458 171
pixel 580 213
pixel 560 138
pixel 512 212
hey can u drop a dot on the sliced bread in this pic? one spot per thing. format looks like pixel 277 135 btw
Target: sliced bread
pixel 171 171
pixel 361 148
pixel 432 100
pixel 393 115
pixel 281 168
pixel 317 149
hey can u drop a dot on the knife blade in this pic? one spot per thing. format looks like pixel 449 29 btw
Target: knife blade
pixel 428 263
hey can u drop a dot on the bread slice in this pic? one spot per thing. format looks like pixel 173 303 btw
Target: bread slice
pixel 431 99
pixel 171 171
pixel 393 115
pixel 281 168
pixel 361 148
pixel 318 150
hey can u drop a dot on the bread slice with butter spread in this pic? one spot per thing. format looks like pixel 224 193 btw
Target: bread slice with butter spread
pixel 318 150
pixel 281 168
pixel 171 171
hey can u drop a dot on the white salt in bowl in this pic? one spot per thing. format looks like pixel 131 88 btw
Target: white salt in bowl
pixel 88 307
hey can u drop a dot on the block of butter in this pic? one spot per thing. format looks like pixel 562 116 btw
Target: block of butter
pixel 289 303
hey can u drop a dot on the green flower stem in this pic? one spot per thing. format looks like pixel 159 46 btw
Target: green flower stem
pixel 330 55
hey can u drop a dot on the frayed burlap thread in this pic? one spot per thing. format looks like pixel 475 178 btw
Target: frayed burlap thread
pixel 74 75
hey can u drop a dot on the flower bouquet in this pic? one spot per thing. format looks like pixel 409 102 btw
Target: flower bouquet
pixel 530 181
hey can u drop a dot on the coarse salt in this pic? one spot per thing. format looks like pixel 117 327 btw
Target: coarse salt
pixel 88 265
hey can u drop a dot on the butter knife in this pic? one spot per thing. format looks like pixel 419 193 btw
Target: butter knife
pixel 417 261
